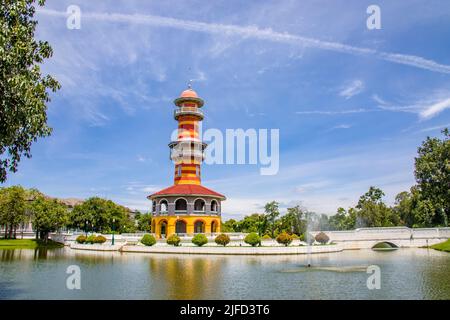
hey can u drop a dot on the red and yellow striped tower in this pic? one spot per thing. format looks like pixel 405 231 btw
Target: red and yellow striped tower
pixel 187 150
pixel 187 207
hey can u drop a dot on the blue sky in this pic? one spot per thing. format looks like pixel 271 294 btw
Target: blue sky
pixel 351 104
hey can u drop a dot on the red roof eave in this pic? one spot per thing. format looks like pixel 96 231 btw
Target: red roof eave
pixel 187 189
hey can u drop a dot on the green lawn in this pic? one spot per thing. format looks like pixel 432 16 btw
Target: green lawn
pixel 27 244
pixel 443 246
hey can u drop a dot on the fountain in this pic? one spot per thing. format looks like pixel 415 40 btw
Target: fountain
pixel 308 240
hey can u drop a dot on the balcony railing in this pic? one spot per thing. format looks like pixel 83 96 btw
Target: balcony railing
pixel 188 111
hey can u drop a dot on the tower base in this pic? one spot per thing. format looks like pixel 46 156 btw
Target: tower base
pixel 164 226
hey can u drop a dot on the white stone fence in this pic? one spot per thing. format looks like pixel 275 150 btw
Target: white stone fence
pixel 399 236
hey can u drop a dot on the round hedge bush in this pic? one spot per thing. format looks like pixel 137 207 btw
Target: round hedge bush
pixel 199 239
pixel 99 239
pixel 90 239
pixel 294 236
pixel 81 239
pixel 284 238
pixel 322 238
pixel 148 240
pixel 222 239
pixel 253 239
pixel 266 237
pixel 173 240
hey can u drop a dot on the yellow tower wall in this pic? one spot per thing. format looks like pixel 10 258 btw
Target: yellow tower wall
pixel 170 221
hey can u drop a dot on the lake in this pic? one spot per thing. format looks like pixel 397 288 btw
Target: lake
pixel 405 274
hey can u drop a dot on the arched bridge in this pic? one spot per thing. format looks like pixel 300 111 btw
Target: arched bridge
pixel 401 237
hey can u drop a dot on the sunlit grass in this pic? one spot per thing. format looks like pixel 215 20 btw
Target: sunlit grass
pixel 443 246
pixel 27 244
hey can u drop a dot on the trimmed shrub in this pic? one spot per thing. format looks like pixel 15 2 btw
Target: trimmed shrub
pixel 294 236
pixel 81 239
pixel 148 240
pixel 284 238
pixel 302 237
pixel 199 239
pixel 266 237
pixel 222 239
pixel 90 239
pixel 173 240
pixel 322 238
pixel 253 239
pixel 99 239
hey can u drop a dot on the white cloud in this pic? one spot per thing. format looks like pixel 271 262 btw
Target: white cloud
pixel 341 126
pixel 352 89
pixel 337 112
pixel 426 109
pixel 433 110
pixel 257 33
pixel 436 128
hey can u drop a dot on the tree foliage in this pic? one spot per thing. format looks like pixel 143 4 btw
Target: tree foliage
pixel 272 211
pixel 13 209
pixel 101 215
pixel 24 91
pixel 432 172
pixel 144 221
pixel 48 215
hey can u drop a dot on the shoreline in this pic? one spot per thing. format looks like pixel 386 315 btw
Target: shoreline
pixel 214 250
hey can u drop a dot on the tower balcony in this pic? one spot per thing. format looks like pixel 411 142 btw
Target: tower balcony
pixel 187 156
pixel 187 150
pixel 188 111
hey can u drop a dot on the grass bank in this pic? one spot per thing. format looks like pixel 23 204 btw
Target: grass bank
pixel 28 244
pixel 443 246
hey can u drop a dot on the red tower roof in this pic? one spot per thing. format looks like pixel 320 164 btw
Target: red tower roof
pixel 187 189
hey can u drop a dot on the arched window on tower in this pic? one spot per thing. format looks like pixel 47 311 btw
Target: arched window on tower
pixel 163 206
pixel 199 205
pixel 180 205
pixel 214 206
pixel 199 227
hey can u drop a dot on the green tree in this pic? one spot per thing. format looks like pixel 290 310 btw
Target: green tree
pixel 253 223
pixel 230 225
pixel 48 215
pixel 23 89
pixel 13 209
pixel 339 220
pixel 404 208
pixel 272 211
pixel 144 221
pixel 350 221
pixel 294 220
pixel 373 212
pixel 97 215
pixel 432 172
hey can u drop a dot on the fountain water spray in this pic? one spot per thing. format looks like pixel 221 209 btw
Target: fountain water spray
pixel 308 239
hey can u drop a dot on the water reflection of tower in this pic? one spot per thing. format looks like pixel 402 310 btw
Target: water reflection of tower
pixel 185 277
pixel 187 207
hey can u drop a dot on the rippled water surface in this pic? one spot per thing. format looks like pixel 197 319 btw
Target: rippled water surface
pixel 405 274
